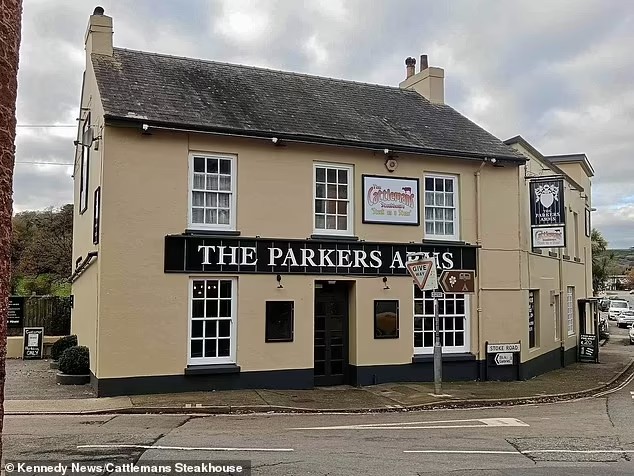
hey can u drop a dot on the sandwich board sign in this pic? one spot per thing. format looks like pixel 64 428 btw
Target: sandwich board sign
pixel 424 273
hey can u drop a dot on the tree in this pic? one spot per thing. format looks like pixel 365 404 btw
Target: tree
pixel 41 250
pixel 10 30
pixel 602 260
pixel 630 279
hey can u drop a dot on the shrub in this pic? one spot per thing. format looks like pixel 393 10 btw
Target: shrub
pixel 75 361
pixel 60 345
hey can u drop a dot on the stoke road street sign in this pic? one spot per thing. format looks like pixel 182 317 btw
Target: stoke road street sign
pixel 424 273
pixel 458 281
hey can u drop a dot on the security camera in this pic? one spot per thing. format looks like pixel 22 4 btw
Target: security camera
pixel 275 140
pixel 493 161
pixel 386 151
pixel 145 127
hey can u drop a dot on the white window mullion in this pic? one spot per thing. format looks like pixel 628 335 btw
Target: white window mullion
pixel 454 322
pixel 571 311
pixel 332 199
pixel 212 316
pixel 441 214
pixel 212 192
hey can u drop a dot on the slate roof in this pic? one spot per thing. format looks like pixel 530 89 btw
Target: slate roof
pixel 227 98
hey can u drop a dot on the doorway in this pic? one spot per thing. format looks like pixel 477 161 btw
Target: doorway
pixel 331 333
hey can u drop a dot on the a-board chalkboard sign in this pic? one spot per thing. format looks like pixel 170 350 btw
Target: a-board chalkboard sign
pixel 588 351
pixel 15 317
pixel 33 343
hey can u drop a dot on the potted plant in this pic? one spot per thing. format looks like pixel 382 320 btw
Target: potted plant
pixel 74 366
pixel 58 348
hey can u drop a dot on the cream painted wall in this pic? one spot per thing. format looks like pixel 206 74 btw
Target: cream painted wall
pixel 134 288
pixel 142 307
pixel 84 317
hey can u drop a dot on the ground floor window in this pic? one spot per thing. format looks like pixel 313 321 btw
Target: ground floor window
pixel 453 310
pixel 212 334
pixel 570 300
pixel 533 306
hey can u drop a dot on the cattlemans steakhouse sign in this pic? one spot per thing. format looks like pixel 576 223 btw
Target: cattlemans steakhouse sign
pixel 195 254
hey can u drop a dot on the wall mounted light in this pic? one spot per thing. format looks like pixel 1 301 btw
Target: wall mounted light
pixel 385 286
pixel 279 281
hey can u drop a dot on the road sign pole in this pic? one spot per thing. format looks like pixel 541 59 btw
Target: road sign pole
pixel 437 351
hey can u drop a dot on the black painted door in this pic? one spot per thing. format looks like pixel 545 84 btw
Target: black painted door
pixel 331 334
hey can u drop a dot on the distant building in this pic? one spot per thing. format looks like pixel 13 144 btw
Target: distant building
pixel 240 227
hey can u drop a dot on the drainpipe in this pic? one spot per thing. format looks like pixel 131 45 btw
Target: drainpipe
pixel 479 244
pixel 563 331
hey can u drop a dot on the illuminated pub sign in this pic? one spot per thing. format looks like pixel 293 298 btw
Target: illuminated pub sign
pixel 198 254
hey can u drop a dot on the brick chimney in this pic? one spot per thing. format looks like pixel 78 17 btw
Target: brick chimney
pixel 99 33
pixel 428 82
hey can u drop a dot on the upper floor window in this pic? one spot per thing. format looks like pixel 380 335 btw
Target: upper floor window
pixel 212 197
pixel 441 207
pixel 333 199
pixel 84 169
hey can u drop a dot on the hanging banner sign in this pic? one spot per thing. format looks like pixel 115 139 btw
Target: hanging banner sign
pixel 547 202
pixel 548 213
pixel 549 237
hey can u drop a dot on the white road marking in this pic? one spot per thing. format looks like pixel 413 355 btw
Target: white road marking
pixel 187 448
pixel 519 453
pixel 420 425
pixel 466 452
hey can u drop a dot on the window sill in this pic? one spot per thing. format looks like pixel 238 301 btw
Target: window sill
pixel 191 231
pixel 442 240
pixel 212 369
pixel 458 357
pixel 334 237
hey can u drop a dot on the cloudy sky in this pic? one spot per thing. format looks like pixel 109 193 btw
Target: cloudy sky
pixel 560 73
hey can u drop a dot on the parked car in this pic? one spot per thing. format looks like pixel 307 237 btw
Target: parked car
pixel 626 318
pixel 631 334
pixel 616 307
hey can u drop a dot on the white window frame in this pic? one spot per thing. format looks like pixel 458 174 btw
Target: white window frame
pixel 456 205
pixel 234 193
pixel 350 224
pixel 84 173
pixel 570 306
pixel 231 359
pixel 466 347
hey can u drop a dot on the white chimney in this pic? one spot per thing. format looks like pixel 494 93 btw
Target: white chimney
pixel 428 82
pixel 99 34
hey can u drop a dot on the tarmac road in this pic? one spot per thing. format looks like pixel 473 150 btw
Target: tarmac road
pixel 586 437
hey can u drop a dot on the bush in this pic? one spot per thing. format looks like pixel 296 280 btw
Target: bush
pixel 75 361
pixel 60 345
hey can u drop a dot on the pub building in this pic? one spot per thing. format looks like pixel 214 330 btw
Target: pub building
pixel 241 227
